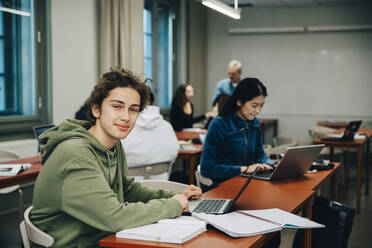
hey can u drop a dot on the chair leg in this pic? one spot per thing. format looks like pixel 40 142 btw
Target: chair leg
pixel 21 204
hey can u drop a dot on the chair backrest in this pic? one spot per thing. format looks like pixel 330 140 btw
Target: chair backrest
pixel 7 155
pixel 267 148
pixel 278 141
pixel 366 124
pixel 31 233
pixel 151 169
pixel 164 185
pixel 280 146
pixel 200 179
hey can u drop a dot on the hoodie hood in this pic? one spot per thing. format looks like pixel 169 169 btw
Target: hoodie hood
pixel 68 129
pixel 149 118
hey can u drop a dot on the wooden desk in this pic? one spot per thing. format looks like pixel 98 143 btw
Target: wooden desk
pixel 265 123
pixel 192 157
pixel 187 135
pixel 252 198
pixel 310 181
pixel 356 144
pixel 26 176
pixel 368 133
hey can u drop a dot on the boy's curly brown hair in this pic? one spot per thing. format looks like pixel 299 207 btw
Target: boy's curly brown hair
pixel 117 77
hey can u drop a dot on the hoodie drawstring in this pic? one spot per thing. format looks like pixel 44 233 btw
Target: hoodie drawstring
pixel 109 164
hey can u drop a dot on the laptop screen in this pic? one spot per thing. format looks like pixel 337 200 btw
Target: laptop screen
pixel 245 185
pixel 352 128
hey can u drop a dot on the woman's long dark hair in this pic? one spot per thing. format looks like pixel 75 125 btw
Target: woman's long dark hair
pixel 179 98
pixel 247 89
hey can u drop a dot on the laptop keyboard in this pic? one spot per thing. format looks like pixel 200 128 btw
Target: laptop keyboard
pixel 265 174
pixel 209 206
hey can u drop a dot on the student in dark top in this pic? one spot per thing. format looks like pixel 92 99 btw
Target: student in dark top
pixel 182 110
pixel 233 143
pixel 218 103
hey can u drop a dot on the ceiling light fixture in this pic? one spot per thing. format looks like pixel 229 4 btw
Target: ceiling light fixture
pixel 14 11
pixel 223 8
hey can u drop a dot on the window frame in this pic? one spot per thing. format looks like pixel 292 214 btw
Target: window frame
pixel 153 5
pixel 18 127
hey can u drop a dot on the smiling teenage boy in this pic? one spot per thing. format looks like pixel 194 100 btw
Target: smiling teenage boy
pixel 82 193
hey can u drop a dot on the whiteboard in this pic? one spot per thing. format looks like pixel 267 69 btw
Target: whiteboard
pixel 310 73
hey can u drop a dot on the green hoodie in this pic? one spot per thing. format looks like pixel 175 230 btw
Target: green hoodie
pixel 83 194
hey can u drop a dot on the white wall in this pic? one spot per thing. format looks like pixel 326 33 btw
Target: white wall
pixel 74 55
pixel 309 76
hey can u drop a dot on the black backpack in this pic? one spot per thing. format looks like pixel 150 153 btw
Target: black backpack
pixel 338 220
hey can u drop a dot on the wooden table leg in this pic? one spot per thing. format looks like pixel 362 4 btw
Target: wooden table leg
pixel 367 167
pixel 332 153
pixel 308 214
pixel 185 164
pixel 359 161
pixel 334 186
pixel 192 170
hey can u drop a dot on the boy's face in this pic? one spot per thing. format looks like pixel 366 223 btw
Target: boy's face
pixel 117 116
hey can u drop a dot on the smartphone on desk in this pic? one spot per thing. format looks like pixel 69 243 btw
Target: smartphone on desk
pixel 322 164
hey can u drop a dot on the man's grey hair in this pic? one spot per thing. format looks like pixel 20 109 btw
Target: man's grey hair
pixel 235 63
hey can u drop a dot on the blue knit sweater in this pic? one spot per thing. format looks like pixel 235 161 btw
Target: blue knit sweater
pixel 231 142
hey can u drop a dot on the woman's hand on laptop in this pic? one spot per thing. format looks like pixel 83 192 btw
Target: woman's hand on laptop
pixel 192 192
pixel 253 167
pixel 183 201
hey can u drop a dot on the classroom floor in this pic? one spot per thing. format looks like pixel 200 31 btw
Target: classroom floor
pixel 359 237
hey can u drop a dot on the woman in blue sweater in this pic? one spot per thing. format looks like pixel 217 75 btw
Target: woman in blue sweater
pixel 234 144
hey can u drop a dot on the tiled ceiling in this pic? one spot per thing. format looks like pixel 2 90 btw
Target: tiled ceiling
pixel 296 3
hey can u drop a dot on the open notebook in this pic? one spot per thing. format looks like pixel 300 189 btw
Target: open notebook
pixel 243 223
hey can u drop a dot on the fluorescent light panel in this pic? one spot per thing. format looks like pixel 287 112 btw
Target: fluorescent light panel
pixel 339 28
pixel 299 29
pixel 14 11
pixel 266 30
pixel 222 8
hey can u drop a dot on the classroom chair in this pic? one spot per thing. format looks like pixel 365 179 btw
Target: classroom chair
pixel 8 155
pixel 31 233
pixel 282 143
pixel 267 148
pixel 202 180
pixel 280 146
pixel 151 169
pixel 164 185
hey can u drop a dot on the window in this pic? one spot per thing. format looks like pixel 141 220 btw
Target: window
pixel 23 70
pixel 159 54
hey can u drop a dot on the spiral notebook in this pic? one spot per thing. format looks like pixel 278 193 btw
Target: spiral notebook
pixel 243 223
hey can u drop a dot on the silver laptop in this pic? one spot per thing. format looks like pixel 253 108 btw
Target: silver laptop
pixel 217 206
pixel 295 162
